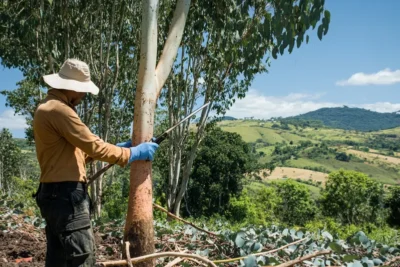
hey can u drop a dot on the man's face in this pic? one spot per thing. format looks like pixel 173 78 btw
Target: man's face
pixel 77 98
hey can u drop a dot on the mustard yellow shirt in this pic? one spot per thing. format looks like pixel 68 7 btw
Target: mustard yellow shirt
pixel 63 142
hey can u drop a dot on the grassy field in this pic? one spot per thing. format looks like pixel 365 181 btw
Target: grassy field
pixel 374 156
pixel 252 133
pixel 303 162
pixel 376 166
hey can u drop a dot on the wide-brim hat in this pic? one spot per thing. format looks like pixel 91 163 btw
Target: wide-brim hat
pixel 74 75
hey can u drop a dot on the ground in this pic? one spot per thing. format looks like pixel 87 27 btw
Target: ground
pixel 28 243
pixel 295 173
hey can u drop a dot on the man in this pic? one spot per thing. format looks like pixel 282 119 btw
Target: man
pixel 63 145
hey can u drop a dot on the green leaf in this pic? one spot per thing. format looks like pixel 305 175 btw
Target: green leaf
pixel 275 52
pixel 300 234
pixel 350 258
pixel 250 261
pixel 327 235
pixel 299 40
pixel 285 232
pixel 320 31
pixel 384 249
pixel 336 247
pixel 369 263
pixel 378 262
pixel 256 247
pixel 327 15
pixel 239 239
pixel 393 250
pixel 326 29
pixel 307 39
pixel 355 264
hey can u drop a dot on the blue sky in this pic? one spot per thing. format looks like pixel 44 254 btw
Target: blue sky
pixel 356 64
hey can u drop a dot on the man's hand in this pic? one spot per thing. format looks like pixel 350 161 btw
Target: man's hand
pixel 144 151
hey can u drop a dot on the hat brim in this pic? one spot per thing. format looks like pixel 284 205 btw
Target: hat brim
pixel 57 82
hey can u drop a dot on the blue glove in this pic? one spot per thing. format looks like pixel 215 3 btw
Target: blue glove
pixel 127 144
pixel 144 151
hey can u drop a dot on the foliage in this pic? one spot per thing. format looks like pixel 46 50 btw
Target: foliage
pixel 101 34
pixel 393 203
pixel 382 142
pixel 352 118
pixel 115 198
pixel 218 170
pixel 296 206
pixel 253 209
pixel 383 234
pixel 10 158
pixel 353 198
pixel 219 76
pixel 342 156
pixel 353 249
pixel 357 250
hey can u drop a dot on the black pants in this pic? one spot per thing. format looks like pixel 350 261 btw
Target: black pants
pixel 66 208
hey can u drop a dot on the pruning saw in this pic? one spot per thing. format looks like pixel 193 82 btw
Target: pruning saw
pixel 157 140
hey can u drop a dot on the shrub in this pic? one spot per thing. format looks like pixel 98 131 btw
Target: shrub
pixel 296 206
pixel 353 198
pixel 393 203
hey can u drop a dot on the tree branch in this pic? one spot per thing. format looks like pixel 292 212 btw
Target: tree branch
pixel 128 254
pixel 174 262
pixel 182 220
pixel 157 255
pixel 172 44
pixel 261 253
pixel 301 259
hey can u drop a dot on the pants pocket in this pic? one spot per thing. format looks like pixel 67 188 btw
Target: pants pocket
pixel 80 217
pixel 79 247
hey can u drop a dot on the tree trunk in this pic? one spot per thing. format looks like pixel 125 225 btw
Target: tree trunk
pixel 139 222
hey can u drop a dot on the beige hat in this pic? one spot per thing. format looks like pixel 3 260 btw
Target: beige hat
pixel 74 75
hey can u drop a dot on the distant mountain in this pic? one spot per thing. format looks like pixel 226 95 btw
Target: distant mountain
pixel 352 118
pixel 228 118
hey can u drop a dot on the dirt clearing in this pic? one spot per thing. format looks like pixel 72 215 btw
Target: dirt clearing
pixel 372 156
pixel 295 173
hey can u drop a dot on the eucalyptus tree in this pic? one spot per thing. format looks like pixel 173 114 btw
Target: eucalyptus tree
pixel 227 43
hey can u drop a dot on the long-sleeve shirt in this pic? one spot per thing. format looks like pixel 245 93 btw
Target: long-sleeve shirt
pixel 63 142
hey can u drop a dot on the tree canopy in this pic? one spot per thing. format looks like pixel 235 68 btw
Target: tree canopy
pixel 353 198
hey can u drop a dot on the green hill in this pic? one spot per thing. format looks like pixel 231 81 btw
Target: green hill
pixel 351 118
pixel 316 148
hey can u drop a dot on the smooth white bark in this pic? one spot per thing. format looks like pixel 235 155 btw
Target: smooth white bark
pixel 172 44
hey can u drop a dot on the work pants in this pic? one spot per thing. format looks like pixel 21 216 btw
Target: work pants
pixel 66 208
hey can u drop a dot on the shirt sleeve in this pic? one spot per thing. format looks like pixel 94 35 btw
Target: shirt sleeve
pixel 70 126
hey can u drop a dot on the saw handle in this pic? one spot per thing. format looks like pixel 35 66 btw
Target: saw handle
pixel 160 138
pixel 157 140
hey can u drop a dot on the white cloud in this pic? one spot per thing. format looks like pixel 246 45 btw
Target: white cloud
pixel 11 121
pixel 260 106
pixel 382 106
pixel 264 107
pixel 383 77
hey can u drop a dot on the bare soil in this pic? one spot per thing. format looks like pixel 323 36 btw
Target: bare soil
pixel 20 245
pixel 296 173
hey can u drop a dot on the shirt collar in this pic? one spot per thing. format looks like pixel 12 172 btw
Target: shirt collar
pixel 57 94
